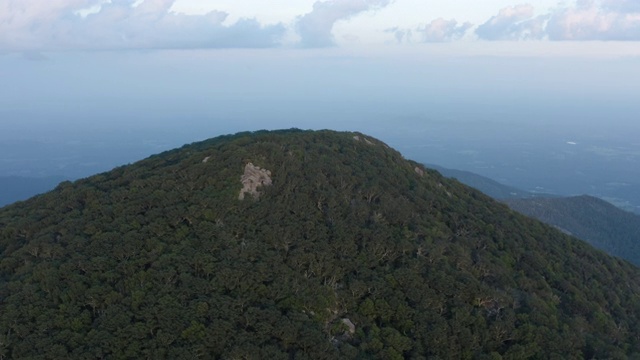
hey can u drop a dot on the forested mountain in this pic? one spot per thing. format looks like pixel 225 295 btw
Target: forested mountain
pixel 594 220
pixel 299 245
pixel 15 188
pixel 488 186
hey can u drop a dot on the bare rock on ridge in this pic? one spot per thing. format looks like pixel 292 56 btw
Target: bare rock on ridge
pixel 253 178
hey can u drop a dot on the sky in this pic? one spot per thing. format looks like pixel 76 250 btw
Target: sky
pixel 63 25
pixel 86 85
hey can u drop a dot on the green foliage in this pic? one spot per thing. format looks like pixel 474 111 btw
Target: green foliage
pixel 160 259
pixel 596 221
pixel 593 220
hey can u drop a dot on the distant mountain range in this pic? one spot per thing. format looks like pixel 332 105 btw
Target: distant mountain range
pixel 17 188
pixel 488 186
pixel 594 220
pixel 591 219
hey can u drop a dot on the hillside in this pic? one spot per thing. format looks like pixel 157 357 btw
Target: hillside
pixel 488 186
pixel 299 245
pixel 596 221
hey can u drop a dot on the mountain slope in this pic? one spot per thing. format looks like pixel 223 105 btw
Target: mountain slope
pixel 292 244
pixel 588 218
pixel 596 221
pixel 488 186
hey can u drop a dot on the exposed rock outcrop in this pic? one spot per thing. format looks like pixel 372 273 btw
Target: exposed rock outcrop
pixel 350 325
pixel 253 178
pixel 357 138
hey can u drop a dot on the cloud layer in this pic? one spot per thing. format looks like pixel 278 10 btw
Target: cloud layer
pixel 513 23
pixel 121 24
pixel 315 28
pixel 587 20
pixel 38 25
pixel 440 30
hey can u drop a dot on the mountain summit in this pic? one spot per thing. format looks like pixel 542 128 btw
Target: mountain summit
pixel 299 245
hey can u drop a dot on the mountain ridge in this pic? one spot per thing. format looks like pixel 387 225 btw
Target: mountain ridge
pixel 352 252
pixel 589 218
pixel 488 186
pixel 594 220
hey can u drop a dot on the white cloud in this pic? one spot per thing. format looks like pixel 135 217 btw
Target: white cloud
pixel 608 20
pixel 35 25
pixel 586 20
pixel 513 23
pixel 624 6
pixel 46 25
pixel 440 30
pixel 315 28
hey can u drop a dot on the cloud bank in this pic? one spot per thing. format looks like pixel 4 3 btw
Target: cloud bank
pixel 315 28
pixel 35 25
pixel 400 34
pixel 625 6
pixel 32 26
pixel 440 30
pixel 513 23
pixel 590 20
pixel 587 20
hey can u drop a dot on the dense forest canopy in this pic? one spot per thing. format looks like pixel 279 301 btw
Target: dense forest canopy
pixel 348 250
pixel 588 218
pixel 594 220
